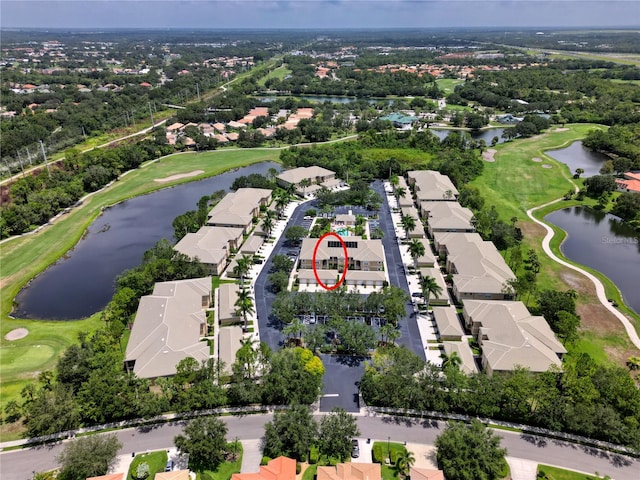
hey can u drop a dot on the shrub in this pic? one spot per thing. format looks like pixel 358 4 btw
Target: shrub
pixel 265 460
pixel 142 471
pixel 298 468
pixel 314 455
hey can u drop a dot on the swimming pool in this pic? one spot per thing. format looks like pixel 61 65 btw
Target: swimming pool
pixel 343 232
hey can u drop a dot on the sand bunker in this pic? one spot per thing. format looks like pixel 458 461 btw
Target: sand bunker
pixel 16 334
pixel 536 159
pixel 487 155
pixel 179 176
pixel 546 165
pixel 561 130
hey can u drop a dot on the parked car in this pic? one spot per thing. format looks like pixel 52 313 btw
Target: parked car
pixel 169 466
pixel 355 448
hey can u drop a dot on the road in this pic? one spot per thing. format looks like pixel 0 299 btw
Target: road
pixel 409 325
pixel 20 464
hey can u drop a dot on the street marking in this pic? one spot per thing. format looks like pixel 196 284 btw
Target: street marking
pixel 326 395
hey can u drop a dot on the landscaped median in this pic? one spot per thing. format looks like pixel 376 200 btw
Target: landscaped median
pixel 25 257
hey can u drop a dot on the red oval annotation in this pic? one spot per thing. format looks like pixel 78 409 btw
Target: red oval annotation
pixel 346 261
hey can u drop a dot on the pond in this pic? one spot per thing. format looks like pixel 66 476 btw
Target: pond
pixel 486 135
pixel 602 242
pixel 82 282
pixel 577 155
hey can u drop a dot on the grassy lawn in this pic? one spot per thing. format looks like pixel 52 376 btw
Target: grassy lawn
pixel 448 84
pixel 553 473
pixel 514 183
pixel 156 461
pixel 279 73
pixel 226 469
pixel 310 472
pixel 406 156
pixel 25 257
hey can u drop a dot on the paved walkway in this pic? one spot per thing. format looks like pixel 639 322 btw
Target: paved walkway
pixel 522 469
pixel 600 291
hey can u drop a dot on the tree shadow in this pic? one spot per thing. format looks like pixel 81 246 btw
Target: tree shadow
pixel 539 442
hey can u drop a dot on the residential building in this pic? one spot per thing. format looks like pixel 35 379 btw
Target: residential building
pixel 173 475
pixel 238 209
pixel 229 342
pixel 280 468
pixel 211 246
pixel 252 245
pixel 446 217
pixel 428 259
pixel 416 473
pixel 478 270
pixel 168 328
pixel 441 298
pixel 225 305
pixel 510 336
pixel 365 255
pixel 314 177
pixel 109 476
pixel 462 349
pixel 442 239
pixel 630 182
pixel 431 186
pixel 448 323
pixel 351 471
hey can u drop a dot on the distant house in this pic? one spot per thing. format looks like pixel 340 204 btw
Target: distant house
pixel 400 120
pixel 425 474
pixel 510 336
pixel 225 305
pixel 508 118
pixel 463 351
pixel 109 476
pixel 630 182
pixel 175 127
pixel 449 327
pixel 168 328
pixel 229 342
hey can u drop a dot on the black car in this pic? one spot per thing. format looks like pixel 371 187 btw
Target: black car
pixel 355 448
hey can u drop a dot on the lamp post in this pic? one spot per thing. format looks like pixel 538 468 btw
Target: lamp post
pixel 389 449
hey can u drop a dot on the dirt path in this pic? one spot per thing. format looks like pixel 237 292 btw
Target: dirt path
pixel 600 291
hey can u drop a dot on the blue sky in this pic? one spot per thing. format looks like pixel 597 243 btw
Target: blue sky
pixel 317 13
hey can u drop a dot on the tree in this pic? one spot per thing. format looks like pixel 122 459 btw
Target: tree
pixel 404 462
pixel 633 362
pixel 399 192
pixel 242 267
pixel 282 263
pixel 388 333
pixel 452 361
pixel 279 281
pixel 291 433
pixel 295 376
pixel 355 337
pixel 295 234
pixel 244 305
pixel 579 171
pixel 295 329
pixel 429 287
pixel 416 250
pixel 335 434
pixel 51 410
pixel 470 452
pixel 408 223
pixel 204 439
pixel 87 457
pixel 267 224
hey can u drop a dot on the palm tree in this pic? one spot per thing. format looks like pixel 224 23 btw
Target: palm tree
pixel 429 286
pixel 408 223
pixel 295 329
pixel 272 173
pixel 633 363
pixel 267 224
pixel 282 200
pixel 404 462
pixel 399 192
pixel 394 180
pixel 244 305
pixel 243 265
pixel 304 183
pixel 452 361
pixel 416 250
pixel 388 333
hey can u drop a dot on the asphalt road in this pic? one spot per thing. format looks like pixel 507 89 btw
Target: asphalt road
pixel 20 464
pixel 395 268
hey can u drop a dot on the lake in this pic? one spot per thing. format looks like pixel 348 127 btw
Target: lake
pixel 82 282
pixel 601 241
pixel 486 135
pixel 577 155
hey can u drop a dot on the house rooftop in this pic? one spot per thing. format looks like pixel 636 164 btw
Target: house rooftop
pixel 447 216
pixel 209 244
pixel 296 175
pixel 432 185
pixel 168 326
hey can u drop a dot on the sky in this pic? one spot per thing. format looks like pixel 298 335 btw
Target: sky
pixel 317 14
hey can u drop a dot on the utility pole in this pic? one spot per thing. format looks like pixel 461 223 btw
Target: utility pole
pixel 44 155
pixel 84 134
pixel 198 92
pixel 151 114
pixel 29 155
pixel 21 165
